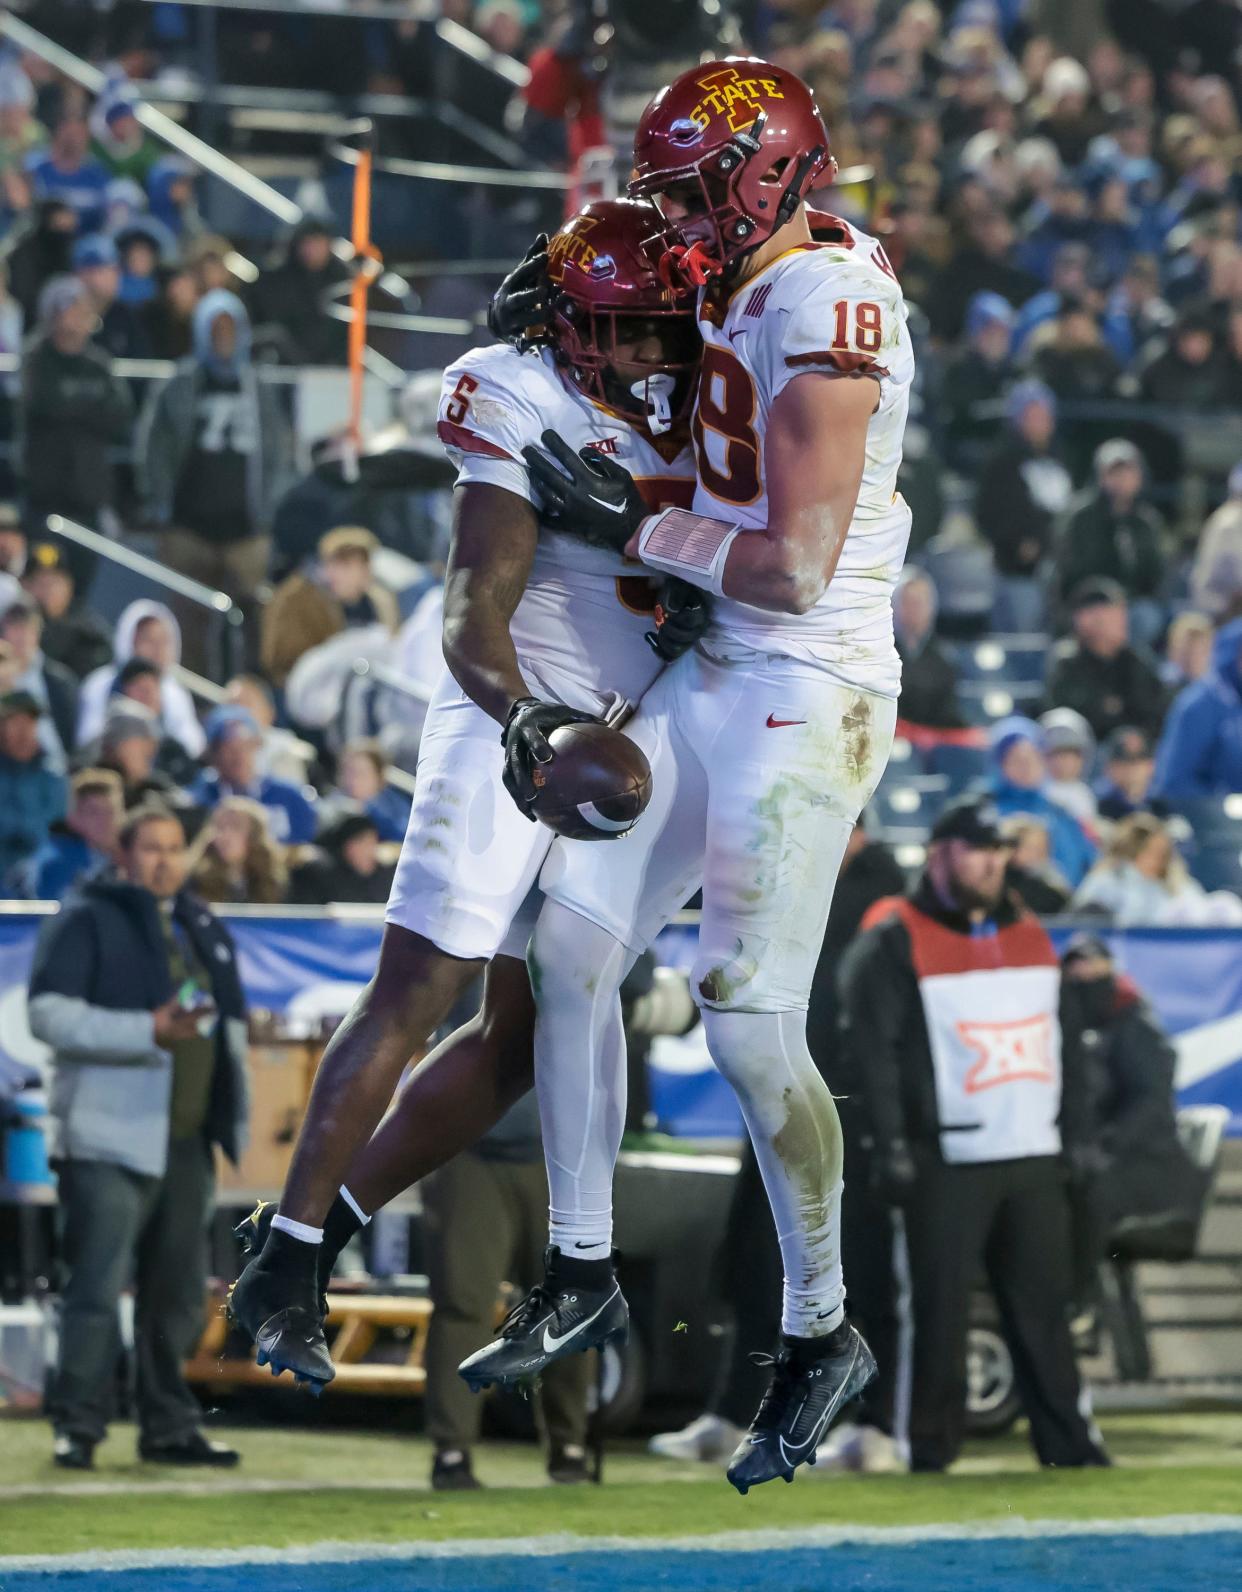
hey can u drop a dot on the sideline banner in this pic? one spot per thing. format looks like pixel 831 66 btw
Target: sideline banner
pixel 305 969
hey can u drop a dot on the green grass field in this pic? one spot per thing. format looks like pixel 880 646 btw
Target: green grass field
pixel 300 1485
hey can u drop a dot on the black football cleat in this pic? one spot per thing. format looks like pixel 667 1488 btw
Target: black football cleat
pixel 578 1306
pixel 812 1382
pixel 277 1304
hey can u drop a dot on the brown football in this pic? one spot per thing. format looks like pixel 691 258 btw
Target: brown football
pixel 595 787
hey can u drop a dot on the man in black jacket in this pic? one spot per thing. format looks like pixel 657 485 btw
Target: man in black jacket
pixel 74 412
pixel 135 988
pixel 1113 533
pixel 928 674
pixel 968 1087
pixel 1097 671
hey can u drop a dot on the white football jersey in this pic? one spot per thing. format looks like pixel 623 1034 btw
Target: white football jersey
pixel 582 618
pixel 827 307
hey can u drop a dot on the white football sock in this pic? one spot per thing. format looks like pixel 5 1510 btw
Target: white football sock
pixel 576 971
pixel 354 1205
pixel 794 1127
pixel 308 1235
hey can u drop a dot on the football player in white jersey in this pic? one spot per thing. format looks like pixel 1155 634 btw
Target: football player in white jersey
pixel 540 630
pixel 767 742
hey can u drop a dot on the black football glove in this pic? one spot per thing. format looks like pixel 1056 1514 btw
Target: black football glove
pixel 682 613
pixel 525 740
pixel 588 496
pixel 521 307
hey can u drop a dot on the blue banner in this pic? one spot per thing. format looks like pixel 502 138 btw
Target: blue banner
pixel 308 969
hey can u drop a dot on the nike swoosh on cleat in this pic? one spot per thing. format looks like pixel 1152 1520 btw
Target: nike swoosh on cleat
pixel 551 1343
pixel 794 1456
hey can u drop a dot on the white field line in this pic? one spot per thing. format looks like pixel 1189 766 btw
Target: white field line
pixel 569 1542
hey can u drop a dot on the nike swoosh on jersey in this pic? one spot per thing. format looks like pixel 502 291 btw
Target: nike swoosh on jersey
pixel 736 333
pixel 780 724
pixel 792 1455
pixel 551 1343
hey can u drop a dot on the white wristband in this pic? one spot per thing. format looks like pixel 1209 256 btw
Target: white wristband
pixel 693 546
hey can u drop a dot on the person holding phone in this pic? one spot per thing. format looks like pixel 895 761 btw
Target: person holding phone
pixel 135 988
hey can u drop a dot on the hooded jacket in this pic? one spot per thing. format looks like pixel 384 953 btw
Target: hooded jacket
pixel 176 704
pixel 166 430
pixel 1200 751
pixel 100 970
pixel 1071 849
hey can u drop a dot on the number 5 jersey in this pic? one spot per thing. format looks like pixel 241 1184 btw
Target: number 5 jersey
pixel 834 307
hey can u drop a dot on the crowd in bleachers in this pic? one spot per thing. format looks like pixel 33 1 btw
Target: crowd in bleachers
pixel 1058 189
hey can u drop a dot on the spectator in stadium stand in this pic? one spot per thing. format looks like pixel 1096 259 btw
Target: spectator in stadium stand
pixel 234 742
pixel 21 134
pixel 97 265
pixel 977 374
pixel 146 629
pixel 80 843
pixel 345 865
pixel 1069 119
pixel 1141 1171
pixel 73 633
pixel 1200 749
pixel 40 252
pixel 1187 650
pixel 235 857
pixel 119 141
pixel 1135 313
pixel 980 263
pixel 1216 578
pixel 1073 358
pixel 1069 751
pixel 213 452
pixel 32 792
pixel 138 680
pixel 50 683
pixel 1019 784
pixel 1128 766
pixel 135 988
pixel 311 607
pixel 68 171
pixel 1190 374
pixel 170 315
pixel 1115 534
pixel 1023 489
pixel 284 754
pixel 207 256
pixel 1070 280
pixel 932 992
pixel 139 251
pixel 129 744
pixel 1030 873
pixel 361 781
pixel 1141 878
pixel 928 675
pixel 74 412
pixel 14 549
pixel 1097 671
pixel 290 297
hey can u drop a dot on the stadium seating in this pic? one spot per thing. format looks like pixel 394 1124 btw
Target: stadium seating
pixel 962 766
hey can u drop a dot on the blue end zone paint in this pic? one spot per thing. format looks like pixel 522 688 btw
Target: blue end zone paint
pixel 1207 1562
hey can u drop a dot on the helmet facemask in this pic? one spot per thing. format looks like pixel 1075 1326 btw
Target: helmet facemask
pixel 608 355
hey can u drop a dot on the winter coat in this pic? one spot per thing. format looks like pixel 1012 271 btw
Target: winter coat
pixel 1020 495
pixel 60 862
pixel 1200 752
pixel 1108 692
pixel 177 712
pixel 1070 847
pixel 32 798
pixel 73 413
pixel 1125 547
pixel 100 970
pixel 1216 579
pixel 302 614
pixel 291 816
pixel 928 686
pixel 167 428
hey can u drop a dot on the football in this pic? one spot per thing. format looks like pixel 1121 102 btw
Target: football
pixel 595 787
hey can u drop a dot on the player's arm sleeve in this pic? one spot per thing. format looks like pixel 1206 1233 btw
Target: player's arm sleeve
pixel 484 426
pixel 847 329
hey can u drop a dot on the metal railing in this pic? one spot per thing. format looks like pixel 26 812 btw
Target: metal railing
pixel 226 616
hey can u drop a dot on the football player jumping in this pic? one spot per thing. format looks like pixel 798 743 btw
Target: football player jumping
pixel 764 744
pixel 540 630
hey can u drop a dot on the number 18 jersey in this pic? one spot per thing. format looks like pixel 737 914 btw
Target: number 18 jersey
pixel 834 308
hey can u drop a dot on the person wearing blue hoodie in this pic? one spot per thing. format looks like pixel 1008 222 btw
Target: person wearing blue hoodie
pixel 1200 751
pixel 1018 784
pixel 214 453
